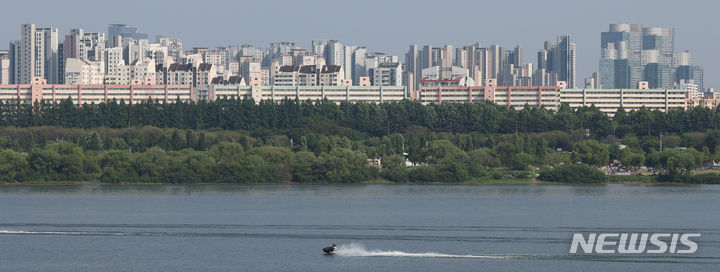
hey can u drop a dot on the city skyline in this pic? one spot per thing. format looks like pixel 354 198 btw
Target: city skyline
pixel 530 36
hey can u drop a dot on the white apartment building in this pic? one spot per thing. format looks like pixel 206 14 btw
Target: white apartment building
pixel 371 94
pixel 609 100
pixel 309 75
pixel 252 72
pixel 176 74
pixel 142 72
pixel 35 55
pixel 331 75
pixel 81 71
pixel 4 67
pixel 387 74
pixel 551 97
pixel 204 74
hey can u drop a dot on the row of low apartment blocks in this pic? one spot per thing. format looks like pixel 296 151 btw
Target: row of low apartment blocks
pixel 39 90
pixel 80 94
pixel 606 100
pixel 551 97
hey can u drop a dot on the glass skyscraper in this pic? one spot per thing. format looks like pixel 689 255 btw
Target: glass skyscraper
pixel 631 53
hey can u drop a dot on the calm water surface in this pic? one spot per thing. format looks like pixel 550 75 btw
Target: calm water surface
pixel 378 227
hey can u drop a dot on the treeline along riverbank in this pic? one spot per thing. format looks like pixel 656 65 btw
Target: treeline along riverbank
pixel 240 141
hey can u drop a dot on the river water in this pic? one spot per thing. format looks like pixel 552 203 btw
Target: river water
pixel 376 227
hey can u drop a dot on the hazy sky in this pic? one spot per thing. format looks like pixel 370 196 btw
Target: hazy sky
pixel 386 25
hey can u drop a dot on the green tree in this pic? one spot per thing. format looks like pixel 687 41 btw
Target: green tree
pixel 302 165
pixel 44 163
pixel 676 163
pixel 441 150
pixel 590 152
pixel 634 159
pixel 152 165
pixel 92 141
pixel 227 152
pixel 117 167
pixel 13 166
pixel 344 166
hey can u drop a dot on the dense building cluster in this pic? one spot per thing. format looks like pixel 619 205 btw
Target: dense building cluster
pixel 638 68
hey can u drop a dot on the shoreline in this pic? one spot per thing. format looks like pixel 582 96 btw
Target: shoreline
pixel 376 182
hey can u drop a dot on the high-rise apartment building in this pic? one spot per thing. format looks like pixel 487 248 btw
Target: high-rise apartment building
pixel 318 47
pixel 85 46
pixel 4 67
pixel 35 55
pixel 564 61
pixel 556 63
pixel 387 74
pixel 335 53
pixel 473 58
pixel 347 65
pixel 495 60
pixel 358 64
pixel 413 67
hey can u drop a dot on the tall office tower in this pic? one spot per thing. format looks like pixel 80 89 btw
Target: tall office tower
pixel 630 54
pixel 35 55
pixel 657 56
pixel 125 31
pixel 682 58
pixel 689 74
pixel 685 70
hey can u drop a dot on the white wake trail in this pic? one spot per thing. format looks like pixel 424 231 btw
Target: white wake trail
pixel 358 250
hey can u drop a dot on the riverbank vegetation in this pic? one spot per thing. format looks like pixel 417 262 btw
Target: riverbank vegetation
pixel 239 141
